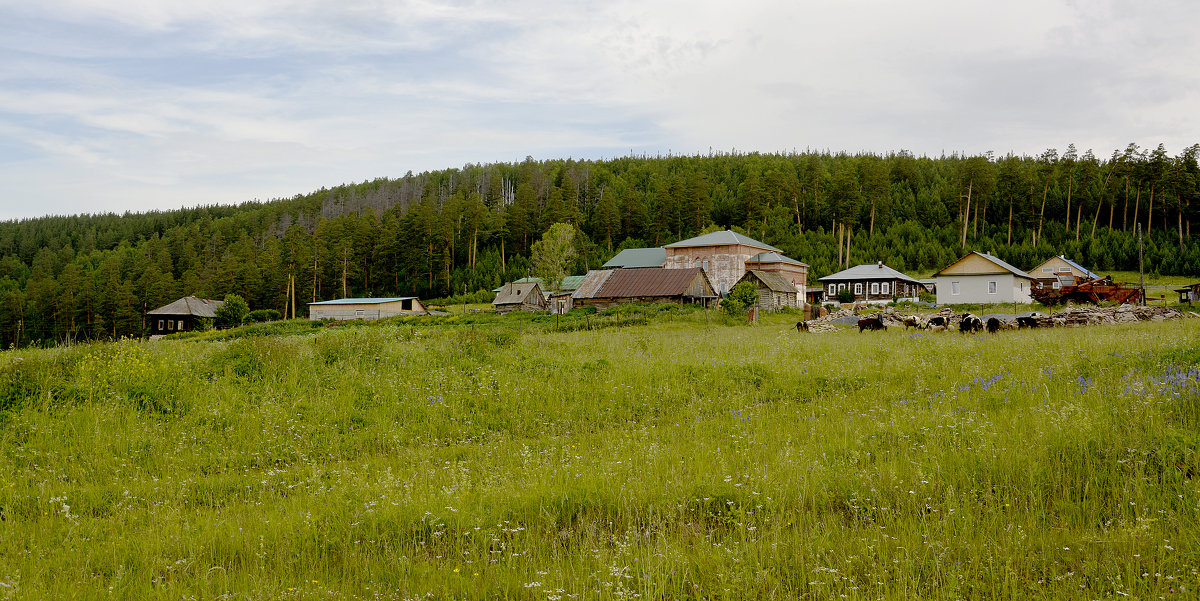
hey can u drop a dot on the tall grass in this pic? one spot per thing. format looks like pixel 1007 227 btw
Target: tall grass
pixel 678 457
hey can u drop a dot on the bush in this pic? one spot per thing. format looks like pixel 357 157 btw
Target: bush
pixel 231 312
pixel 262 315
pixel 845 296
pixel 741 298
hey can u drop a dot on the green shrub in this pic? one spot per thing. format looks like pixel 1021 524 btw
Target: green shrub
pixel 261 315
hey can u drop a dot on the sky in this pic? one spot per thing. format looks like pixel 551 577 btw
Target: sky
pixel 138 105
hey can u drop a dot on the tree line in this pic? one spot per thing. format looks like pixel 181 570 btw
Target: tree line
pixel 444 232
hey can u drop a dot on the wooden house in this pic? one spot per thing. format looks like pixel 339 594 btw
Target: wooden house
pixel 182 315
pixel 560 300
pixel 775 290
pixel 367 309
pixel 603 288
pixel 1060 271
pixel 876 283
pixel 789 269
pixel 520 297
pixel 982 278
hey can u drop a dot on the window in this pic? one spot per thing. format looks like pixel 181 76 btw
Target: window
pixel 992 287
pixel 953 287
pixel 1057 284
pixel 885 288
pixel 841 287
pixel 857 288
pixel 705 265
pixel 833 289
pixel 1047 270
pixel 180 325
pixel 160 325
pixel 1064 270
pixel 874 287
pixel 358 313
pixel 170 324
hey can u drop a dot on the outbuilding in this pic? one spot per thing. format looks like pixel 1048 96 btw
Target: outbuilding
pixel 367 309
pixel 603 288
pixel 775 290
pixel 520 297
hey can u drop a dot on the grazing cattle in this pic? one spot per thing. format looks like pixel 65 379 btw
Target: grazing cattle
pixel 970 323
pixel 993 325
pixel 912 321
pixel 871 323
pixel 801 326
pixel 937 322
pixel 1027 322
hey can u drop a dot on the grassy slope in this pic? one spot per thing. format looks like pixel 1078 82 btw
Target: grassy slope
pixel 684 458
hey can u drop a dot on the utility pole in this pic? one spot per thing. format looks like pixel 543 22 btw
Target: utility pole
pixel 1141 265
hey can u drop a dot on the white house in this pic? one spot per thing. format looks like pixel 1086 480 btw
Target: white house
pixel 982 278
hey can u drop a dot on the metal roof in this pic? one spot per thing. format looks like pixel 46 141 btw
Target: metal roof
pixel 721 239
pixel 638 257
pixel 189 305
pixel 649 281
pixel 878 271
pixel 363 301
pixel 772 257
pixel 537 281
pixel 1087 272
pixel 773 280
pixel 570 283
pixel 995 260
pixel 592 283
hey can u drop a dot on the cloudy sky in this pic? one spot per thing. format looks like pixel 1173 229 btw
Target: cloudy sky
pixel 132 105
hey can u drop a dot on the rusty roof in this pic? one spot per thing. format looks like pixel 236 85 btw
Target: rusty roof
pixel 649 282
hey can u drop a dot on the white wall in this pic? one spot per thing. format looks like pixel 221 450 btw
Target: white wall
pixel 975 289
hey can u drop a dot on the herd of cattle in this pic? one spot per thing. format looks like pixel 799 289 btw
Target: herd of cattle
pixel 966 323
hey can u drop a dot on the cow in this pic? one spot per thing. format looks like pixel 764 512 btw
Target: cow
pixel 1027 322
pixel 911 321
pixel 993 325
pixel 937 322
pixel 970 323
pixel 871 323
pixel 801 326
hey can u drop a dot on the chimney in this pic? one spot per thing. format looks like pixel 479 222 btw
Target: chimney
pixel 881 264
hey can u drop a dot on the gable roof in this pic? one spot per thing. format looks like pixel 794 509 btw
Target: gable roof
pixel 189 305
pixel 1087 273
pixel 773 280
pixel 1003 266
pixel 515 293
pixel 638 257
pixel 537 281
pixel 570 283
pixel 642 282
pixel 772 257
pixel 721 239
pixel 363 301
pixel 868 272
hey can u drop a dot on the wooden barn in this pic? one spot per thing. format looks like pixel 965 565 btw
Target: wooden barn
pixel 605 288
pixel 775 290
pixel 367 309
pixel 520 297
pixel 182 315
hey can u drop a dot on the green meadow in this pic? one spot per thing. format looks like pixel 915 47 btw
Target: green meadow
pixel 659 454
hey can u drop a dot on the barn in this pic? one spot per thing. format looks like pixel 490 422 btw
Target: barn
pixel 775 290
pixel 182 315
pixel 367 309
pixel 604 288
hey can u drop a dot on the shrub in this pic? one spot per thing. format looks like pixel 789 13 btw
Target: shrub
pixel 741 298
pixel 231 312
pixel 261 315
pixel 845 296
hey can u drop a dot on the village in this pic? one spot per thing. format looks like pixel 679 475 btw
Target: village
pixel 703 270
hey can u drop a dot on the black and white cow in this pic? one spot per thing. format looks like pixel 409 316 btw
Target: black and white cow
pixel 970 323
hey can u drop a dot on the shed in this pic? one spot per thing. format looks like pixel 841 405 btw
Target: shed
pixel 608 287
pixel 775 290
pixel 1189 294
pixel 520 297
pixel 367 309
pixel 182 315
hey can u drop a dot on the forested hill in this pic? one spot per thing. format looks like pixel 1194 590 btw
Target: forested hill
pixel 435 233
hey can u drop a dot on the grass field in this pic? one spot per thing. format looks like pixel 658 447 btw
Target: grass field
pixel 674 454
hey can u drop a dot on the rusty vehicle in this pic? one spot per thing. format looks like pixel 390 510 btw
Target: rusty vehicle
pixel 1096 290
